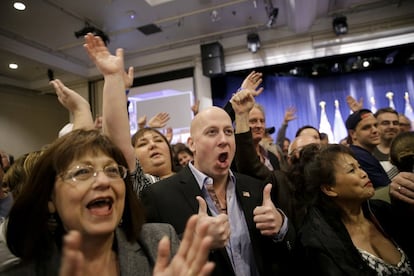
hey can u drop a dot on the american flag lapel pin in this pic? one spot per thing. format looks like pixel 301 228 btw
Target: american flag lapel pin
pixel 246 194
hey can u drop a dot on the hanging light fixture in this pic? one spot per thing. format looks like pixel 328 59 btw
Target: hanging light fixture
pixel 253 42
pixel 339 24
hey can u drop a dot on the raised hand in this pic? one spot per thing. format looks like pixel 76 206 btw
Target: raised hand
pixel 195 107
pixel 290 114
pixel 267 218
pixel 252 82
pixel 243 101
pixel 129 77
pixel 75 104
pixel 159 120
pixel 219 226
pixel 72 257
pixel 106 63
pixel 169 134
pixel 353 104
pixel 142 121
pixel 71 100
pixel 191 258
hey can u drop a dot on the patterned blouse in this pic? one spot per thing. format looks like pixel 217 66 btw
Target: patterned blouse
pixel 141 180
pixel 382 268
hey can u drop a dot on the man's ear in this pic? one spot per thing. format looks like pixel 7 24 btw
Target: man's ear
pixel 328 190
pixel 190 143
pixel 352 134
pixel 51 206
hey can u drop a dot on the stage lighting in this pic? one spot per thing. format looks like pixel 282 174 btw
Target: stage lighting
pixel 253 42
pixel 340 26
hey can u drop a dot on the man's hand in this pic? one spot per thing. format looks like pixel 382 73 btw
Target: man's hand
pixel 219 227
pixel 353 104
pixel 290 114
pixel 267 218
pixel 252 82
pixel 195 107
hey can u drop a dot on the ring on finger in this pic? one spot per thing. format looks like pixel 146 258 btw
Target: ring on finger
pixel 399 188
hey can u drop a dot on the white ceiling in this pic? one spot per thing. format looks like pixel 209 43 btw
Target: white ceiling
pixel 42 36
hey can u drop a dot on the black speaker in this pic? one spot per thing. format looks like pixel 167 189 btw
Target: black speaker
pixel 212 59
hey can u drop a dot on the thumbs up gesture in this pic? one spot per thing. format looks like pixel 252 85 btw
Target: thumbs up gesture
pixel 219 226
pixel 267 218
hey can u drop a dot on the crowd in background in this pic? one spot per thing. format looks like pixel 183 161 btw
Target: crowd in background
pixel 231 200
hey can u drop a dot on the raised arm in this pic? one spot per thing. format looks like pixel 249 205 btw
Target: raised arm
pixel 246 158
pixel 75 104
pixel 353 104
pixel 251 83
pixel 115 114
pixel 290 114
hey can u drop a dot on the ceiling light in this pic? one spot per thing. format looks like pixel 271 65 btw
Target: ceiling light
pixel 365 63
pixel 19 6
pixel 253 42
pixel 13 66
pixel 336 67
pixel 131 14
pixel 295 71
pixel 214 16
pixel 340 26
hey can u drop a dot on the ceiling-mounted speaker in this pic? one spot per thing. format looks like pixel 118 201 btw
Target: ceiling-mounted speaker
pixel 212 57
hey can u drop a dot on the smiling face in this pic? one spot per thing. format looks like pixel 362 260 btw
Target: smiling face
pixel 212 142
pixel 351 182
pixel 366 133
pixel 257 124
pixel 183 158
pixel 94 206
pixel 153 152
pixel 388 126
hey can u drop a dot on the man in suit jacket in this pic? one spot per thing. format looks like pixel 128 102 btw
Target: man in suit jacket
pixel 250 235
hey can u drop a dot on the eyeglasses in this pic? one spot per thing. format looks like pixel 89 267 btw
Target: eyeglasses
pixel 82 173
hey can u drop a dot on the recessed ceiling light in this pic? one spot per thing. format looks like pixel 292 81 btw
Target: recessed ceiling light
pixel 13 66
pixel 19 6
pixel 131 14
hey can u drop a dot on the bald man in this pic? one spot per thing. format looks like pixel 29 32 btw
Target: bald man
pixel 297 145
pixel 250 235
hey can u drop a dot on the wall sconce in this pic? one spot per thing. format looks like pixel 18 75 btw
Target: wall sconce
pixel 340 26
pixel 253 42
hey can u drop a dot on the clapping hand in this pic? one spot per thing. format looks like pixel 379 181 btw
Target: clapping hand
pixel 192 256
